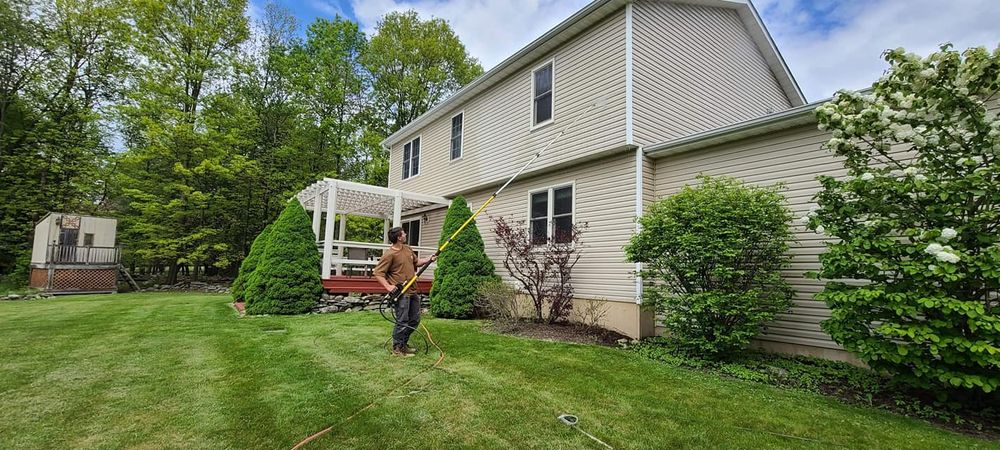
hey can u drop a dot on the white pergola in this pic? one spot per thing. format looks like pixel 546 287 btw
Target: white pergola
pixel 347 198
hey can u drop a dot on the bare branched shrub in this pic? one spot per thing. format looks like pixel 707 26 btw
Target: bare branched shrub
pixel 543 269
pixel 497 300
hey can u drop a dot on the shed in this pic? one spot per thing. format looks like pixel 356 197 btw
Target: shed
pixel 75 253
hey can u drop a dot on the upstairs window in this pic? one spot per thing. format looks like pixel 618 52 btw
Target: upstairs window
pixel 456 135
pixel 541 90
pixel 411 158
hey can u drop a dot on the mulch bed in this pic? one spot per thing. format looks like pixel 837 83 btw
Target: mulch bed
pixel 562 332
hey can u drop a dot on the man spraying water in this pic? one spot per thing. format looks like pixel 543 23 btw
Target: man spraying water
pixel 398 264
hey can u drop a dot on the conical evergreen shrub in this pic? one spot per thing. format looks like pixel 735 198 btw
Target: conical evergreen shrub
pixel 461 268
pixel 287 279
pixel 249 263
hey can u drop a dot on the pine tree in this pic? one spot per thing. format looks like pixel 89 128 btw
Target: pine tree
pixel 287 279
pixel 461 268
pixel 250 263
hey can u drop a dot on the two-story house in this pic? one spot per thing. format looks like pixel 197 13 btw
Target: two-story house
pixel 687 86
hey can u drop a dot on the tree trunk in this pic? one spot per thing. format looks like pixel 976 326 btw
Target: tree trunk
pixel 172 274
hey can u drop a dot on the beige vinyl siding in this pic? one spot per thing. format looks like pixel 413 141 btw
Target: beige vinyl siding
pixel 696 68
pixel 795 158
pixel 648 181
pixel 604 197
pixel 430 232
pixel 497 134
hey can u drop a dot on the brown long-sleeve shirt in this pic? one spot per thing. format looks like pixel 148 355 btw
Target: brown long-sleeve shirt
pixel 397 265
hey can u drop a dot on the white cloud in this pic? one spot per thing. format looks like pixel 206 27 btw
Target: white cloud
pixel 845 49
pixel 828 44
pixel 491 30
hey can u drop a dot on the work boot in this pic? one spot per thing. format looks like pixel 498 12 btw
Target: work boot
pixel 409 350
pixel 400 351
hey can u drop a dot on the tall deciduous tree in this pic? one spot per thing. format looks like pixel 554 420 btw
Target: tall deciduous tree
pixel 58 65
pixel 264 89
pixel 413 65
pixel 178 177
pixel 332 89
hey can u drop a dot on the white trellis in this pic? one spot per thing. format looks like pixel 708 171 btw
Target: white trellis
pixel 340 198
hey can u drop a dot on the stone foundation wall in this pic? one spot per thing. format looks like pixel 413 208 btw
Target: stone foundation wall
pixel 339 303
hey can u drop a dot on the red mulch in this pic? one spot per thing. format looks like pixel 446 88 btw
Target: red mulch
pixel 562 332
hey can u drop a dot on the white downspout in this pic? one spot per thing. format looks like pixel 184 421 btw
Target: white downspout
pixel 629 138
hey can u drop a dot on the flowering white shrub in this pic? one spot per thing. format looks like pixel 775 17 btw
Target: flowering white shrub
pixel 918 220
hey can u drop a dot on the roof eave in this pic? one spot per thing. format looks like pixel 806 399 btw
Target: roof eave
pixel 506 67
pixel 789 118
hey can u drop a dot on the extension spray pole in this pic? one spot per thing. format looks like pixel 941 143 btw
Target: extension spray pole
pixel 398 292
pixel 391 297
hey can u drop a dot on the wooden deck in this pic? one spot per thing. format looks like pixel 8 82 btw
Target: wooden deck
pixel 364 285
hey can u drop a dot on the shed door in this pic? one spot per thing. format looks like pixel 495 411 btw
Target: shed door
pixel 65 252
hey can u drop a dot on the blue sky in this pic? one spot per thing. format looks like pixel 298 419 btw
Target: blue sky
pixel 827 44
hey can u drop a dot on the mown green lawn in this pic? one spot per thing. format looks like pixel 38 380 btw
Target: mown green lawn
pixel 169 370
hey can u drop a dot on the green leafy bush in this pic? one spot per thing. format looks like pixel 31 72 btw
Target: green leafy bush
pixel 287 278
pixel 249 263
pixel 917 220
pixel 18 277
pixel 714 252
pixel 461 268
pixel 849 384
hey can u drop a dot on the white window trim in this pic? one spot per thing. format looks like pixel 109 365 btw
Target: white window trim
pixel 461 138
pixel 531 79
pixel 404 223
pixel 401 151
pixel 549 222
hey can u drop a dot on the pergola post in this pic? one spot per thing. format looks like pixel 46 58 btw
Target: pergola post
pixel 385 230
pixel 340 247
pixel 317 214
pixel 397 210
pixel 331 208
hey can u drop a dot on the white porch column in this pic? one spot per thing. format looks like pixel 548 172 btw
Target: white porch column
pixel 385 231
pixel 331 208
pixel 340 247
pixel 317 214
pixel 397 210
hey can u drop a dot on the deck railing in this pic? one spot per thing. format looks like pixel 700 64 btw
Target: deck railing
pixel 362 256
pixel 74 254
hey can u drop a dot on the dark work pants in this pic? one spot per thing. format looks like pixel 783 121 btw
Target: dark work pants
pixel 407 318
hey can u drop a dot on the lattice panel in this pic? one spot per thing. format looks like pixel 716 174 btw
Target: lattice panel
pixel 39 278
pixel 84 280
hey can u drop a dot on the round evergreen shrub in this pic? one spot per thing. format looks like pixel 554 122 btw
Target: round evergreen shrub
pixel 916 220
pixel 287 278
pixel 249 263
pixel 461 268
pixel 714 253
